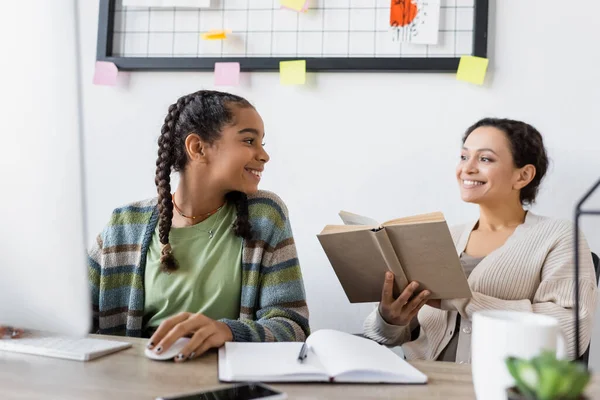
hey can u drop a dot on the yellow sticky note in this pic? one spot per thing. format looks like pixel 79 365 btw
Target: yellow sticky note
pixel 472 69
pixel 297 5
pixel 215 35
pixel 292 72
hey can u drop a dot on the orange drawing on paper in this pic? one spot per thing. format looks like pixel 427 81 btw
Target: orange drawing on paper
pixel 402 13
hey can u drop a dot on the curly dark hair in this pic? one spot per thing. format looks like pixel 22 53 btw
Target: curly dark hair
pixel 204 113
pixel 527 147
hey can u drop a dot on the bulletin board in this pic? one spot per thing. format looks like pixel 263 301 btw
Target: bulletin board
pixel 333 35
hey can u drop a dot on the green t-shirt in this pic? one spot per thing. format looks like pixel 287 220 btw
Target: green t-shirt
pixel 209 278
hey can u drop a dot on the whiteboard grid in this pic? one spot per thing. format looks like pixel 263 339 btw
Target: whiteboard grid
pixel 260 28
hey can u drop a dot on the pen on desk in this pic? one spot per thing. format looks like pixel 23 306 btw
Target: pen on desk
pixel 303 352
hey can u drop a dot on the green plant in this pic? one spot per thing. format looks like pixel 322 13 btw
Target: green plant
pixel 546 378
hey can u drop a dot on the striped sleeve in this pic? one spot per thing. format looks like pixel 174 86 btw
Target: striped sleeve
pixel 94 265
pixel 281 310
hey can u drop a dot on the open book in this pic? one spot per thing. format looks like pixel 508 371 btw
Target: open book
pixel 332 356
pixel 417 248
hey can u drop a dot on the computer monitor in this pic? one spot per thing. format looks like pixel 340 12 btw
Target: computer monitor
pixel 43 273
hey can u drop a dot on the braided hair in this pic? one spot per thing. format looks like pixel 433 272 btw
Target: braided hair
pixel 204 113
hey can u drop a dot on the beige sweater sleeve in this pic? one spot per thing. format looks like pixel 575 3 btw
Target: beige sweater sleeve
pixel 377 329
pixel 554 296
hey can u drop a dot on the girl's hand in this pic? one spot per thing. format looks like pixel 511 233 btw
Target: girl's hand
pixel 205 334
pixel 12 332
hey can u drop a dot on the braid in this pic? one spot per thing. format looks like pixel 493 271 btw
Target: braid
pixel 164 163
pixel 203 113
pixel 241 226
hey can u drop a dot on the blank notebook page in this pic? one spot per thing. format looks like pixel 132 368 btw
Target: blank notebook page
pixel 352 357
pixel 247 360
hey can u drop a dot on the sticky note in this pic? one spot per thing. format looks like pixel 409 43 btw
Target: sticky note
pixel 105 73
pixel 227 74
pixel 472 69
pixel 292 72
pixel 296 5
pixel 215 35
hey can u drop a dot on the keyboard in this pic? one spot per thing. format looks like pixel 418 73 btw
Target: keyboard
pixel 58 346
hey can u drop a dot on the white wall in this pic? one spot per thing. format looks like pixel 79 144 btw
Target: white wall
pixel 381 144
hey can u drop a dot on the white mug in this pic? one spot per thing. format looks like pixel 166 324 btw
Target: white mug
pixel 500 334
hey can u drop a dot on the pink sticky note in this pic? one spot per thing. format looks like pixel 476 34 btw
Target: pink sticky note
pixel 227 74
pixel 106 73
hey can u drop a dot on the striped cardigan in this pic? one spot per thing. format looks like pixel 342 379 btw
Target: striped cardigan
pixel 273 302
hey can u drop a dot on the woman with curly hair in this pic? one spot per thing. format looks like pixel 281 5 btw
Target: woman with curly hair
pixel 513 258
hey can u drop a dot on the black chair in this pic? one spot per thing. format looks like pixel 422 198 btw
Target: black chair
pixel 585 358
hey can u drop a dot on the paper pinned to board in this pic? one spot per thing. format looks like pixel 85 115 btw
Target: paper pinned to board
pixel 168 3
pixel 105 73
pixel 415 21
pixel 472 69
pixel 227 74
pixel 215 35
pixel 296 5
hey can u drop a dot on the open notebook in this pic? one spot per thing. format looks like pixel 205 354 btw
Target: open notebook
pixel 333 356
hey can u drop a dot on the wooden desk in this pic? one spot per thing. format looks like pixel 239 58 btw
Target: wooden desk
pixel 130 375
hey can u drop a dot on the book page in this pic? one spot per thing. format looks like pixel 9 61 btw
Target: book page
pixel 355 219
pixel 270 362
pixel 415 219
pixel 329 229
pixel 350 358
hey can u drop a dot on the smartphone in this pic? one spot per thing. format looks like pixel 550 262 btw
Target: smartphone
pixel 250 391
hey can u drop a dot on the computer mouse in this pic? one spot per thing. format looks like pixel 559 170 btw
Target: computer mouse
pixel 170 353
